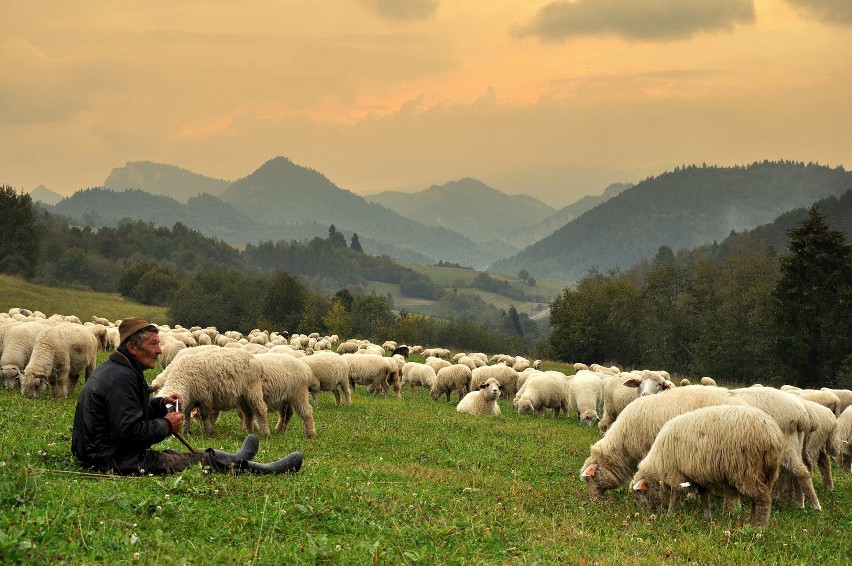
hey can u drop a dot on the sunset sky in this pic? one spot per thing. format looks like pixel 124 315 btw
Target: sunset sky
pixel 552 99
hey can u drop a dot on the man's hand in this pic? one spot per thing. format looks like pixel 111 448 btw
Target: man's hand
pixel 170 400
pixel 175 419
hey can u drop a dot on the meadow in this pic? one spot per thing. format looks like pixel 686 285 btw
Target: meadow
pixel 385 481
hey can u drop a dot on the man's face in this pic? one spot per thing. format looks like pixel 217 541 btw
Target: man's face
pixel 148 352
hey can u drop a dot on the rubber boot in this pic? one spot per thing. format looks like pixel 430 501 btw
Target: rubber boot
pixel 288 464
pixel 247 452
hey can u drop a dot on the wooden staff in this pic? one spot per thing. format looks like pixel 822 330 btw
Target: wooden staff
pixel 183 441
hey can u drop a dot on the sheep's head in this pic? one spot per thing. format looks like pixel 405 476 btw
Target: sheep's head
pixel 647 493
pixel 491 389
pixel 11 376
pixel 588 418
pixel 599 476
pixel 33 385
pixel 525 407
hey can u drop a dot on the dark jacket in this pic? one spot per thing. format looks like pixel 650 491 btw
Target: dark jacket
pixel 115 422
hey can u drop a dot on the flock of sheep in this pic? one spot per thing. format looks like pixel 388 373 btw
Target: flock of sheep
pixel 662 440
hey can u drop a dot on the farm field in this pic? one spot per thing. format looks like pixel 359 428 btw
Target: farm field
pixel 385 481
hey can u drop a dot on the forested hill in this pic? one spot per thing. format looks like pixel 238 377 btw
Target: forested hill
pixel 162 179
pixel 680 209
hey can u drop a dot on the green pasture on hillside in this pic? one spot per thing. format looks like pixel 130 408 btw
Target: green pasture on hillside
pixel 385 481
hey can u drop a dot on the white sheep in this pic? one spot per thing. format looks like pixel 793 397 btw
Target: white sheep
pixel 169 347
pixel 728 449
pixel 615 457
pixel 415 373
pixel 60 354
pixel 467 361
pixel 585 396
pixel 347 348
pixel 449 379
pixel 626 387
pixel 218 379
pixel 437 363
pixel 819 444
pixel 287 385
pixel 332 371
pixel 505 376
pixel 542 391
pixel 825 398
pixel 845 396
pixel 708 381
pixel 842 438
pixel 18 346
pixel 482 401
pixel 377 373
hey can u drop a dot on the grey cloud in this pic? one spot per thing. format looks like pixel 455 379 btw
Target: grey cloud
pixel 403 10
pixel 828 11
pixel 646 20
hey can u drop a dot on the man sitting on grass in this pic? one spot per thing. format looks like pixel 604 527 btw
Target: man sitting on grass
pixel 115 423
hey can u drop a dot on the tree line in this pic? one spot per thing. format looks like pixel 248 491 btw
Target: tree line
pixel 735 311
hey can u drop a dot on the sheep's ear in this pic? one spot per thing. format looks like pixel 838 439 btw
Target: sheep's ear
pixel 589 471
pixel 632 382
pixel 640 485
pixel 483 385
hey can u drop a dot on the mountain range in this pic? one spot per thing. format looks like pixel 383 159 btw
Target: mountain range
pixel 466 221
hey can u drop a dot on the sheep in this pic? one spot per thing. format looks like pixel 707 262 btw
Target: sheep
pixel 578 366
pixel 792 416
pixel 735 450
pixel 825 398
pixel 60 353
pixel 684 382
pixel 332 371
pixel 467 361
pixel 615 457
pixel 218 379
pixel 169 347
pixel 17 348
pixel 287 385
pixel 536 364
pixel 437 363
pixel 157 383
pixel 619 392
pixel 520 364
pixel 842 438
pixel 585 397
pixel 415 373
pixel 844 395
pixel 506 376
pixel 542 391
pixel 449 379
pixel 100 320
pixel 347 348
pixel 372 371
pixel 708 381
pixel 819 445
pixel 482 401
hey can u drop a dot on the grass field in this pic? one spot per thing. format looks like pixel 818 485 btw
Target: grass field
pixel 385 481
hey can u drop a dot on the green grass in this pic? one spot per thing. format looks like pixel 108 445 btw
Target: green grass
pixel 16 292
pixel 390 481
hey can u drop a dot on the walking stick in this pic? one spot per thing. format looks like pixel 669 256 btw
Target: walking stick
pixel 183 441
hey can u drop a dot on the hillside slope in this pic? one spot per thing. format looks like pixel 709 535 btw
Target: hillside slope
pixel 161 179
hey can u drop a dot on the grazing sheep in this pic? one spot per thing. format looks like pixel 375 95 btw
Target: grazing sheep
pixel 578 366
pixel 792 416
pixel 615 457
pixel 415 373
pixel 684 382
pixel 60 353
pixel 825 398
pixel 728 449
pixel 437 363
pixel 467 361
pixel 287 385
pixel 377 373
pixel 332 371
pixel 169 347
pixel 218 379
pixel 585 396
pixel 18 346
pixel 542 391
pixel 819 444
pixel 482 401
pixel 845 396
pixel 619 392
pixel 343 348
pixel 449 379
pixel 505 376
pixel 708 381
pixel 842 438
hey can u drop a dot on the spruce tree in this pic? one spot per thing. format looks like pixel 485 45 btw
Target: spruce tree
pixel 813 303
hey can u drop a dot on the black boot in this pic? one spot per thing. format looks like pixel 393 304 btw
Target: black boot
pixel 247 452
pixel 288 464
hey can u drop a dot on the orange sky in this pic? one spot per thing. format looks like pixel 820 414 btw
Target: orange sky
pixel 552 99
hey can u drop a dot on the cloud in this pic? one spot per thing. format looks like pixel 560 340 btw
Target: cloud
pixel 828 11
pixel 647 20
pixel 403 10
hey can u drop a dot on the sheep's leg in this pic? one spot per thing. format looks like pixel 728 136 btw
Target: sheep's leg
pixel 283 419
pixel 257 408
pixel 449 392
pixel 730 502
pixel 824 463
pixel 761 507
pixel 706 503
pixel 674 497
pixel 347 393
pixel 336 394
pixel 306 412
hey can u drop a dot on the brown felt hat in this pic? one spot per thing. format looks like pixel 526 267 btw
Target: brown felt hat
pixel 131 326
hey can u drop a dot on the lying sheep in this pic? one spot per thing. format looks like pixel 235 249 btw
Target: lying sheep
pixel 332 371
pixel 542 391
pixel 287 385
pixel 728 449
pixel 626 387
pixel 218 379
pixel 585 396
pixel 60 354
pixel 505 376
pixel 449 379
pixel 482 401
pixel 615 457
